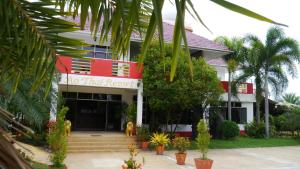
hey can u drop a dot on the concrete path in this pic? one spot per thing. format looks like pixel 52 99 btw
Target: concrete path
pixel 252 158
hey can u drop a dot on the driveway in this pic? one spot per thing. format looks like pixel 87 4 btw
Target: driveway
pixel 250 158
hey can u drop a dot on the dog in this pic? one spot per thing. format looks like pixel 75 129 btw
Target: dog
pixel 129 129
pixel 68 125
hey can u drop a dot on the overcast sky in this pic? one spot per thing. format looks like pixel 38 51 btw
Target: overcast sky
pixel 224 22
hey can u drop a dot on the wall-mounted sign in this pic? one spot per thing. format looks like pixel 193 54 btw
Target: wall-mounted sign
pixel 98 81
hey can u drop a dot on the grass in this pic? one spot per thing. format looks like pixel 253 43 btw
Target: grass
pixel 246 142
pixel 38 165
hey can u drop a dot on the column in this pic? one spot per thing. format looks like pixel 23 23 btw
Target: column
pixel 53 95
pixel 139 114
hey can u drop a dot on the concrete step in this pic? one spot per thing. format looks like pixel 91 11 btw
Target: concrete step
pixel 95 142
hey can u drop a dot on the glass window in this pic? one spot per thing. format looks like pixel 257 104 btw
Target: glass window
pixel 114 97
pixel 85 95
pixel 69 95
pixel 99 96
pixel 91 53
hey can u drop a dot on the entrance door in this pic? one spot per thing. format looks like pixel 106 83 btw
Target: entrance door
pixel 91 115
pixel 114 115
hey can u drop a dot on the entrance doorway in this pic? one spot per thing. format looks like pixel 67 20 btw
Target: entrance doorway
pixel 94 113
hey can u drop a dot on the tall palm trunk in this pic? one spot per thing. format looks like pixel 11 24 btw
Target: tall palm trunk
pixel 266 106
pixel 229 95
pixel 258 99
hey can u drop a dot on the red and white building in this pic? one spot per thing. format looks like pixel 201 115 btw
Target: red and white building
pixel 95 89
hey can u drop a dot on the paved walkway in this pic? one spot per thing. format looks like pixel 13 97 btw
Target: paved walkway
pixel 254 158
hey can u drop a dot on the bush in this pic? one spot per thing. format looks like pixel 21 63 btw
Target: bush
pixel 143 134
pixel 57 139
pixel 229 130
pixel 255 130
pixel 203 138
pixel 181 144
pixel 159 139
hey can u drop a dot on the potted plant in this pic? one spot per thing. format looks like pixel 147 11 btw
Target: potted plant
pixel 181 144
pixel 203 140
pixel 160 141
pixel 143 136
pixel 131 163
pixel 57 141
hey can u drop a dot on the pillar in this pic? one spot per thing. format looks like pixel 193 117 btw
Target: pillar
pixel 139 114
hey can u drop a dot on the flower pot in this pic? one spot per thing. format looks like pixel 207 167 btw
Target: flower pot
pixel 160 149
pixel 52 167
pixel 144 145
pixel 203 164
pixel 180 157
pixel 124 166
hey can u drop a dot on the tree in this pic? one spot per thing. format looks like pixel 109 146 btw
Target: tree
pixel 171 99
pixel 276 54
pixel 291 98
pixel 238 51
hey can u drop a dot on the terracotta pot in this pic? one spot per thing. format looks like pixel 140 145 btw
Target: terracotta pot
pixel 180 157
pixel 203 164
pixel 124 166
pixel 52 167
pixel 160 149
pixel 144 145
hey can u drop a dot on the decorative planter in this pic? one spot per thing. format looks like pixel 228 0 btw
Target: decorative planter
pixel 124 166
pixel 160 149
pixel 203 164
pixel 180 157
pixel 145 145
pixel 52 167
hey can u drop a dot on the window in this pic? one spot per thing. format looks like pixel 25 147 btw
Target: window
pixel 100 52
pixel 100 96
pixel 69 95
pixel 84 96
pixel 238 114
pixel 114 97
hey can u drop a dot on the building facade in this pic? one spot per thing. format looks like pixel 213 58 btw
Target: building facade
pixel 96 88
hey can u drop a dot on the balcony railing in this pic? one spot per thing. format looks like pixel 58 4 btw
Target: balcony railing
pixel 99 67
pixel 243 88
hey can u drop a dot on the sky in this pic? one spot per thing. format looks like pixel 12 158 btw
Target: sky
pixel 223 22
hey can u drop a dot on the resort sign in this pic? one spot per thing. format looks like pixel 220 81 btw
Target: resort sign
pixel 98 81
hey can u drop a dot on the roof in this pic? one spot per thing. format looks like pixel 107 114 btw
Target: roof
pixel 194 40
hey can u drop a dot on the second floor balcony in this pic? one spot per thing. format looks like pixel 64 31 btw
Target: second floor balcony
pixel 99 67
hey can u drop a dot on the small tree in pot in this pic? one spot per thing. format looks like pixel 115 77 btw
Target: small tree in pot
pixel 143 136
pixel 181 144
pixel 203 140
pixel 159 140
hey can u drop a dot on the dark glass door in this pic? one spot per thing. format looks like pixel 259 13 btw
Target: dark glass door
pixel 91 115
pixel 114 114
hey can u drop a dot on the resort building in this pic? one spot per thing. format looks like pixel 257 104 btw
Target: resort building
pixel 95 89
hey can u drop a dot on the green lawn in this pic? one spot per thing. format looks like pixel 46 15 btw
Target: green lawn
pixel 246 142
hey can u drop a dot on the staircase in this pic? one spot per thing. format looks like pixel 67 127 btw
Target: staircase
pixel 80 142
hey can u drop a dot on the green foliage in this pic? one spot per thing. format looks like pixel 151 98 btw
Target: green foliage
pixel 130 112
pixel 203 138
pixel 57 139
pixel 143 134
pixel 229 130
pixel 255 130
pixel 170 99
pixel 291 98
pixel 131 162
pixel 289 121
pixel 181 144
pixel 159 139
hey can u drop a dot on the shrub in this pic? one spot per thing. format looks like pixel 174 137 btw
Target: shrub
pixel 255 130
pixel 229 129
pixel 181 144
pixel 57 139
pixel 143 134
pixel 203 138
pixel 159 139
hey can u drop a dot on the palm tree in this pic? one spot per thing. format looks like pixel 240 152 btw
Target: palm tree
pixel 236 45
pixel 291 98
pixel 276 54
